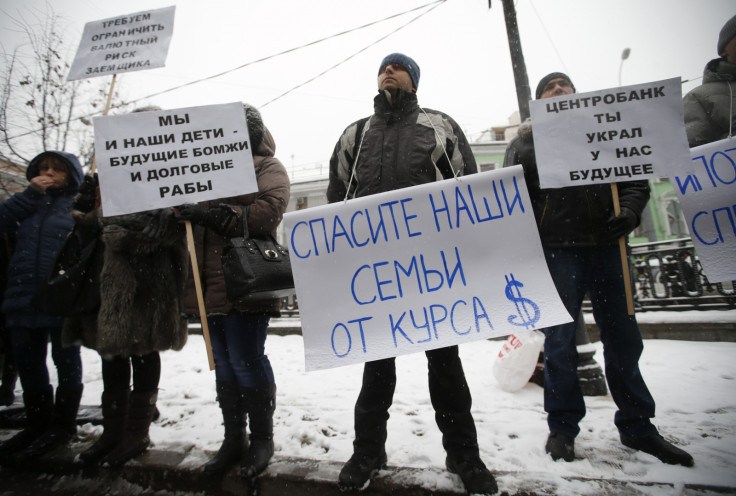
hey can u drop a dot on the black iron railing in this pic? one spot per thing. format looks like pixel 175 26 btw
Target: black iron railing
pixel 666 275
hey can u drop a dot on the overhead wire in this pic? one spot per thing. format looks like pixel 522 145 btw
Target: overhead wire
pixel 351 56
pixel 434 4
pixel 552 42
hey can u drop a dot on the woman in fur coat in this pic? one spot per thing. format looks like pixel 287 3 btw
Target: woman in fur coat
pixel 144 270
pixel 245 380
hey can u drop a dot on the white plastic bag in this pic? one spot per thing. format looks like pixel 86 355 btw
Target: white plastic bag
pixel 515 363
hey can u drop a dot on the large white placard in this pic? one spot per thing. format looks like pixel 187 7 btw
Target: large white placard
pixel 420 268
pixel 132 42
pixel 619 134
pixel 708 199
pixel 165 158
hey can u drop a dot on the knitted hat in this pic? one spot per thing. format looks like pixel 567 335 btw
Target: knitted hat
pixel 256 129
pixel 549 77
pixel 728 31
pixel 406 62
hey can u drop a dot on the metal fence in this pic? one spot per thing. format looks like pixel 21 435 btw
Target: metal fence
pixel 667 275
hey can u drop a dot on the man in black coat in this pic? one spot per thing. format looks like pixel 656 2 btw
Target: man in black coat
pixel 580 236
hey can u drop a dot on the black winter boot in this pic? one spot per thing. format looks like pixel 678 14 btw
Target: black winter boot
pixel 450 395
pixel 114 417
pixel 260 403
pixel 10 376
pixel 235 444
pixel 476 478
pixel 64 424
pixel 560 446
pixel 135 440
pixel 657 446
pixel 358 471
pixel 39 414
pixel 370 419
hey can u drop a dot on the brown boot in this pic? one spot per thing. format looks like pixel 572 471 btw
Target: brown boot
pixel 114 417
pixel 135 440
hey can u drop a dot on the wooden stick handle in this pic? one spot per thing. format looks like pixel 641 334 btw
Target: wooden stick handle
pixel 624 255
pixel 200 296
pixel 93 167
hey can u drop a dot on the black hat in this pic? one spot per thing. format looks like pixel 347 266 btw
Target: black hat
pixel 728 31
pixel 549 77
pixel 404 61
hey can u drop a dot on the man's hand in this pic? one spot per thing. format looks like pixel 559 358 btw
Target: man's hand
pixel 620 226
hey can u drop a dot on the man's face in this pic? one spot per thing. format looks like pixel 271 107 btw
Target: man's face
pixel 730 51
pixel 557 87
pixel 392 77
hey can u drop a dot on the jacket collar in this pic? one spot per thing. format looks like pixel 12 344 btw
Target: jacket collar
pixel 404 103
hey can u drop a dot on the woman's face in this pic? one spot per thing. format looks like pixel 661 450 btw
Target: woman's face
pixel 55 170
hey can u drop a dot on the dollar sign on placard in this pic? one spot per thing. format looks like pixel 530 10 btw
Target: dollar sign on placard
pixel 522 305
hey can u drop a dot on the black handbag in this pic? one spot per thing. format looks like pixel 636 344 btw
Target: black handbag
pixel 256 269
pixel 73 285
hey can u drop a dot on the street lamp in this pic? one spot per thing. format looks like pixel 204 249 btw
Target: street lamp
pixel 624 56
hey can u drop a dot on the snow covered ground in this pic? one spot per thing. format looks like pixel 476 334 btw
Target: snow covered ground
pixel 694 384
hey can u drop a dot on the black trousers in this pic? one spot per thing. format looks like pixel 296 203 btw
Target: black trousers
pixel 448 392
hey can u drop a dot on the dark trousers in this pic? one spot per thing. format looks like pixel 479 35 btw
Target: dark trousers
pixel 146 372
pixel 238 347
pixel 596 271
pixel 29 351
pixel 448 391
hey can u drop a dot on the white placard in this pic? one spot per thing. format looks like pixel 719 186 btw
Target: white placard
pixel 164 158
pixel 708 199
pixel 420 268
pixel 132 42
pixel 620 134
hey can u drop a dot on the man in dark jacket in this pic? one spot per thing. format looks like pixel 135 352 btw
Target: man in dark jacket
pixel 399 146
pixel 710 113
pixel 579 234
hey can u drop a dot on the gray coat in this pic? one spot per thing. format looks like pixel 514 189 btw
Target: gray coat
pixel 710 109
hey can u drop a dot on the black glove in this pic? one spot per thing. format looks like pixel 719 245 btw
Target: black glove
pixel 620 226
pixel 87 196
pixel 159 222
pixel 215 218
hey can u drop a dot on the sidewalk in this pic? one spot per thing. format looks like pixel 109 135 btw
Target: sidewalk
pixel 162 472
pixel 692 384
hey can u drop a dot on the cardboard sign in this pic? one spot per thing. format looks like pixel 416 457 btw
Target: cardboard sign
pixel 158 159
pixel 420 268
pixel 621 134
pixel 708 199
pixel 127 43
